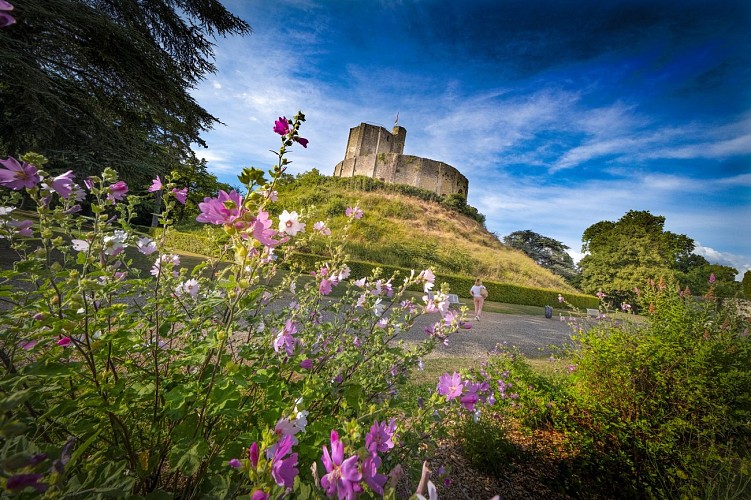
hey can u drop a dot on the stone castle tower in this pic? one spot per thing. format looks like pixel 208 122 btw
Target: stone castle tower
pixel 375 152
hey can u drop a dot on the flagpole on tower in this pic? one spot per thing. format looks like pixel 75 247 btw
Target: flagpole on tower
pixel 396 121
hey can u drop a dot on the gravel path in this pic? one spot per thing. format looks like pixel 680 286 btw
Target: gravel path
pixel 531 334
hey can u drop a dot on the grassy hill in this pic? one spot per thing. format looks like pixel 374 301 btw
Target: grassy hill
pixel 411 228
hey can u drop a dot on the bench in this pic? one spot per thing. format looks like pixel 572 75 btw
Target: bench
pixel 453 298
pixel 593 312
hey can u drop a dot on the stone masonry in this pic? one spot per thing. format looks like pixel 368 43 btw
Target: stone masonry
pixel 375 152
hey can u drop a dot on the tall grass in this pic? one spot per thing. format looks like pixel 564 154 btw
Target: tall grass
pixel 406 227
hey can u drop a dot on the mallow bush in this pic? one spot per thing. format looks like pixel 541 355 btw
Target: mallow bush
pixel 224 380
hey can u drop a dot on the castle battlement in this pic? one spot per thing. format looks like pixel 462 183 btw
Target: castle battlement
pixel 375 152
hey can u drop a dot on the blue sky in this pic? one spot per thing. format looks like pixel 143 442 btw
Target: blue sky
pixel 560 113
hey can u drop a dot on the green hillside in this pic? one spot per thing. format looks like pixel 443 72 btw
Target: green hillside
pixel 412 228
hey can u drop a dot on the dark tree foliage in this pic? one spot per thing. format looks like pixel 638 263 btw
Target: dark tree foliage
pixel 547 252
pixel 622 255
pixel 94 83
pixel 747 284
pixel 698 280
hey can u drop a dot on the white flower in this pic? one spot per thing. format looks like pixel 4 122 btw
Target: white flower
pixel 80 245
pixel 173 260
pixel 289 224
pixel 146 246
pixel 432 493
pixel 344 273
pixel 114 244
pixel 6 210
pixel 190 287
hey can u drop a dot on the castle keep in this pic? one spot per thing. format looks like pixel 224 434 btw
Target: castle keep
pixel 375 152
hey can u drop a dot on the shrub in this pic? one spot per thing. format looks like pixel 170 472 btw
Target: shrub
pixel 666 405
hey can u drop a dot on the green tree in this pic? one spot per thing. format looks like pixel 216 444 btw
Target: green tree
pixel 95 82
pixel 697 280
pixel 747 284
pixel 622 255
pixel 547 252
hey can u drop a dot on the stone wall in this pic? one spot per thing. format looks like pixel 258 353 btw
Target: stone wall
pixel 374 152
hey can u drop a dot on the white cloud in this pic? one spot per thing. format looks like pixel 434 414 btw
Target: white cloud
pixel 740 263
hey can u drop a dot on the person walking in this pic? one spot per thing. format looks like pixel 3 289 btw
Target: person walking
pixel 478 293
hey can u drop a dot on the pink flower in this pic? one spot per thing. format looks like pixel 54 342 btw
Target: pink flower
pixel 370 474
pixel 261 229
pixel 253 454
pixel 283 469
pixel 450 386
pixel 342 476
pixel 64 341
pixel 303 141
pixel 289 223
pixel 285 338
pixel 116 191
pixel 5 18
pixel 16 176
pixel 20 228
pixel 355 212
pixel 379 438
pixel 63 184
pixel 320 226
pixel 235 463
pixel 27 345
pixel 325 287
pixel 711 279
pixel 181 195
pixel 156 185
pixel 469 396
pixel 560 298
pixel 259 495
pixel 270 195
pixel 306 364
pixel 281 126
pixel 224 209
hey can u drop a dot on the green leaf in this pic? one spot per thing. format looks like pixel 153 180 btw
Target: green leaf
pixel 12 429
pixel 189 460
pixel 14 399
pixel 353 396
pixel 80 449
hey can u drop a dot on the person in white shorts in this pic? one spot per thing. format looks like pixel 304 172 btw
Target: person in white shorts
pixel 478 293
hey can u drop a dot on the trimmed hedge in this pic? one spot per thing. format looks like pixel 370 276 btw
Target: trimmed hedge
pixel 190 242
pixel 460 285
